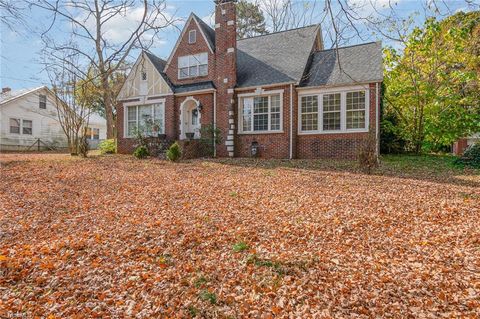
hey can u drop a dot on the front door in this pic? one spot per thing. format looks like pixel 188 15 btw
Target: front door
pixel 190 122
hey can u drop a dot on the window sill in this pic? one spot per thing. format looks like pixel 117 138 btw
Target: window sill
pixel 332 132
pixel 260 132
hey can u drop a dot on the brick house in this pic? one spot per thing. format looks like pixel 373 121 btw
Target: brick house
pixel 282 91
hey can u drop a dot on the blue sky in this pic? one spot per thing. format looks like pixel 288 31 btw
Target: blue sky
pixel 19 50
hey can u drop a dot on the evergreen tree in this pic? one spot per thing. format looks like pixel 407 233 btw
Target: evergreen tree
pixel 250 20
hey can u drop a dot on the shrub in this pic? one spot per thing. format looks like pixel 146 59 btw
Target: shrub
pixel 174 152
pixel 141 152
pixel 367 155
pixel 471 156
pixel 108 147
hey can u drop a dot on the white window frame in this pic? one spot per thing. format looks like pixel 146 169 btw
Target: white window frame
pixel 194 32
pixel 138 104
pixel 40 98
pixel 343 109
pixel 21 126
pixel 195 58
pixel 260 93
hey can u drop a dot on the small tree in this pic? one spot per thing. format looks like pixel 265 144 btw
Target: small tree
pixel 250 20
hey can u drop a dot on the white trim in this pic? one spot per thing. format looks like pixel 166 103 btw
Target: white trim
pixel 217 25
pixel 343 113
pixel 195 92
pixel 146 97
pixel 260 92
pixel 196 58
pixel 263 86
pixel 189 20
pixel 195 36
pixel 182 118
pixel 230 22
pixel 306 89
pixel 230 50
pixel 377 117
pixel 214 122
pixel 291 123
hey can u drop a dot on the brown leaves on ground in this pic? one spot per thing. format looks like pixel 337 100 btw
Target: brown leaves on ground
pixel 117 237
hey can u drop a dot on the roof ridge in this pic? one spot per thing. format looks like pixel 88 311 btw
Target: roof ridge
pixel 155 56
pixel 276 32
pixel 350 46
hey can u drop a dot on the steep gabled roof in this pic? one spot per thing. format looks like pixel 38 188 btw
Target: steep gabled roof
pixel 276 57
pixel 13 95
pixel 207 31
pixel 159 64
pixel 348 65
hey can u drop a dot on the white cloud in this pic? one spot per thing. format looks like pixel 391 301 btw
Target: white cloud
pixel 209 19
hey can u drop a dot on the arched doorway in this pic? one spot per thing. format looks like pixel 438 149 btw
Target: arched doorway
pixel 190 119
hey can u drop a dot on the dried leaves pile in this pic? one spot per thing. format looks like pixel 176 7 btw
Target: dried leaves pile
pixel 117 237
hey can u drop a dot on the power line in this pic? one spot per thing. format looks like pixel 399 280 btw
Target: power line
pixel 17 79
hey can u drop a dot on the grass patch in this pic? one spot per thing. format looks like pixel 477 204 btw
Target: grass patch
pixel 200 282
pixel 240 246
pixel 206 295
pixel 233 194
pixel 192 311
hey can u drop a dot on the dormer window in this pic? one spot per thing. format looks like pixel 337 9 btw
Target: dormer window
pixel 192 36
pixel 191 66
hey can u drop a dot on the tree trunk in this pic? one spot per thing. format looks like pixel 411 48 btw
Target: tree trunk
pixel 108 108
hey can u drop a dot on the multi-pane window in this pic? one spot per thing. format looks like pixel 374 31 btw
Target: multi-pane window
pixel 146 119
pixel 334 112
pixel 261 113
pixel 193 65
pixel 309 107
pixel 42 101
pixel 15 126
pixel 18 126
pixel 331 112
pixel 356 110
pixel 192 36
pixel 27 127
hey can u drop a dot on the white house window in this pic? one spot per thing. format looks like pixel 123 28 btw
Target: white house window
pixel 42 101
pixel 192 36
pixel 27 127
pixel 344 111
pixel 15 126
pixel 331 112
pixel 309 105
pixel 193 65
pixel 261 113
pixel 356 110
pixel 18 126
pixel 147 119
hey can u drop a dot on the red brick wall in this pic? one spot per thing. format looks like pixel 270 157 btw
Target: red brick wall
pixel 183 49
pixel 341 145
pixel 271 145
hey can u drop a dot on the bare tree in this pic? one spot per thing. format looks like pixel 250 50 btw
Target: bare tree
pixel 289 14
pixel 89 20
pixel 67 85
pixel 10 13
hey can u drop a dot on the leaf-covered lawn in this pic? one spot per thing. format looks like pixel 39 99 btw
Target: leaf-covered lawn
pixel 117 237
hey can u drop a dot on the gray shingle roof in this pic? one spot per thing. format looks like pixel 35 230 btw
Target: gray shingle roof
pixel 194 87
pixel 359 63
pixel 209 32
pixel 159 64
pixel 274 58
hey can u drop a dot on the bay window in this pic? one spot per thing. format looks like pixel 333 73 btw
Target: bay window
pixel 147 119
pixel 331 112
pixel 261 113
pixel 193 65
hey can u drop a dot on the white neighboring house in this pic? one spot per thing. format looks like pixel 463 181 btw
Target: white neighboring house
pixel 29 115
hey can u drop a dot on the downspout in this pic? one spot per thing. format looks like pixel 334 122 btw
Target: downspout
pixel 291 122
pixel 214 123
pixel 377 105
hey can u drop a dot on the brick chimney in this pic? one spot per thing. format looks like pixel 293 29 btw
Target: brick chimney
pixel 6 90
pixel 226 71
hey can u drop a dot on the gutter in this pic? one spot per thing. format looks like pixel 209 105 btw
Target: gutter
pixel 291 122
pixel 214 123
pixel 377 94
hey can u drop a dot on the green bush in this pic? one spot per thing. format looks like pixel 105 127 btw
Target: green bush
pixel 471 157
pixel 108 147
pixel 141 152
pixel 174 152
